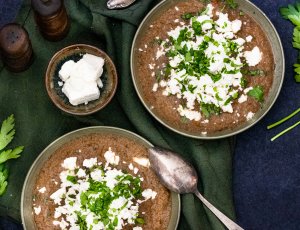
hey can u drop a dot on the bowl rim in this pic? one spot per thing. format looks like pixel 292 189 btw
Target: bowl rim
pixel 175 197
pixel 197 136
pixel 80 46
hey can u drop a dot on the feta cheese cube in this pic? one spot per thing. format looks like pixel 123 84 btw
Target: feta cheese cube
pixel 66 70
pixel 96 62
pixel 79 91
pixel 84 70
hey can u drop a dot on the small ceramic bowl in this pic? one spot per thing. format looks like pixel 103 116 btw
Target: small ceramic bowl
pixel 54 90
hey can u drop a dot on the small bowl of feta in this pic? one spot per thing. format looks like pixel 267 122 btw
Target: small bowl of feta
pixel 81 79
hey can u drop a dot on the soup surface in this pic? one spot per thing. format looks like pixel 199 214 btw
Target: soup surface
pixel 155 212
pixel 161 58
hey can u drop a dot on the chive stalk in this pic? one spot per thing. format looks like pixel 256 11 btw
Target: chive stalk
pixel 284 119
pixel 285 131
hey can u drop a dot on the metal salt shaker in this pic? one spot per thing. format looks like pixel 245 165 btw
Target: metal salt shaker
pixel 51 18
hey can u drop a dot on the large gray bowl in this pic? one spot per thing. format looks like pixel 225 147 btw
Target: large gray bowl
pixel 26 198
pixel 250 9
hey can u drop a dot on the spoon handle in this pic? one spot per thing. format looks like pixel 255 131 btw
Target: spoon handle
pixel 224 219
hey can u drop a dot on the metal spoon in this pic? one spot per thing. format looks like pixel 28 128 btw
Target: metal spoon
pixel 119 4
pixel 181 177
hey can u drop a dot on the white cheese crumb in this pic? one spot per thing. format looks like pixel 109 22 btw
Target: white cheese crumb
pixel 37 210
pixel 204 133
pixel 247 90
pixel 149 193
pixel 176 8
pixel 236 25
pixel 249 116
pixel 89 163
pixel 111 157
pixel 130 166
pixel 69 163
pixel 81 173
pixel 42 190
pixel 135 170
pixel 141 50
pixel 249 38
pixel 151 66
pixel 56 196
pixel 137 228
pixel 253 57
pixel 142 161
pixel 155 87
pixel 242 98
pixel 190 114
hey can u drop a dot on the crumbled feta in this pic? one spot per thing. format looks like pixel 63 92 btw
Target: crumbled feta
pixel 89 163
pixel 111 157
pixel 142 161
pixel 242 98
pixel 219 82
pixel 130 166
pixel 249 116
pixel 253 57
pixel 190 114
pixel 69 163
pixel 249 38
pixel 75 190
pixel 149 193
pixel 137 228
pixel 155 87
pixel 37 210
pixel 42 190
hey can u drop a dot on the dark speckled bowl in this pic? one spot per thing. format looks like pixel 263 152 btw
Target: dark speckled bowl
pixel 74 52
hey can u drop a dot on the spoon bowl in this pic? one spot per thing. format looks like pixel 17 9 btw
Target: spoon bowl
pixel 180 176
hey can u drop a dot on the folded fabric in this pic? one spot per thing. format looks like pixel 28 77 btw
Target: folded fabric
pixel 39 122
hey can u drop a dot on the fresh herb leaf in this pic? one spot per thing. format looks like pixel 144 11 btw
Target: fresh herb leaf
pixel 292 13
pixel 72 179
pixel 187 16
pixel 231 4
pixel 140 220
pixel 3 178
pixel 297 71
pixel 7 131
pixel 209 109
pixel 257 92
pixel 10 154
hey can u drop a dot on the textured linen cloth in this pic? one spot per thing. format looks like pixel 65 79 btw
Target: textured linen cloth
pixel 267 174
pixel 39 122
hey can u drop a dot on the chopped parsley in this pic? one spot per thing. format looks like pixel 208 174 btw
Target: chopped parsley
pixel 98 197
pixel 206 68
pixel 257 92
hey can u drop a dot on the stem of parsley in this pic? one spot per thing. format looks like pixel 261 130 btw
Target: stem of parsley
pixel 285 131
pixel 283 120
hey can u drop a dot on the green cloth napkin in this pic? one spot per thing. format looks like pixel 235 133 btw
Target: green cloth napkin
pixel 39 122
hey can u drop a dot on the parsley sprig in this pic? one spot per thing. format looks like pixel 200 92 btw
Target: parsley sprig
pixel 7 133
pixel 292 13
